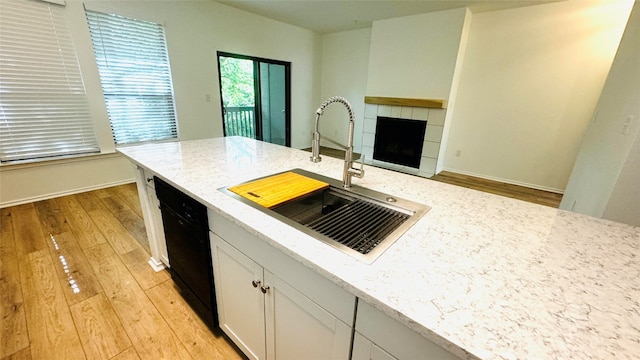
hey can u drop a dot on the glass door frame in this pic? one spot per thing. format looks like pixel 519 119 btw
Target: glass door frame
pixel 257 91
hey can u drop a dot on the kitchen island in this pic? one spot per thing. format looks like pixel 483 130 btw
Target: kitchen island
pixel 482 276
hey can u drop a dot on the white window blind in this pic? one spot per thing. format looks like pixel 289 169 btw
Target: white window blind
pixel 136 79
pixel 44 111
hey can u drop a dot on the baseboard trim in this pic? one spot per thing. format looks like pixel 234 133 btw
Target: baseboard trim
pixel 506 181
pixel 64 193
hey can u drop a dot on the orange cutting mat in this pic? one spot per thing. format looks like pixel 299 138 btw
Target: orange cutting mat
pixel 277 189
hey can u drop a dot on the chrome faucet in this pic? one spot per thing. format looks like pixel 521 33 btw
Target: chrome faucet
pixel 349 170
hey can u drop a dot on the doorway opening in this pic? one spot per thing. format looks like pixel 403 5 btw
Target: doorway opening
pixel 256 97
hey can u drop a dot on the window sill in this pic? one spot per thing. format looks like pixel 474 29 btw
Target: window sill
pixel 25 164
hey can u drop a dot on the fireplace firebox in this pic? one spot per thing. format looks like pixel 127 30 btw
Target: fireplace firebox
pixel 399 141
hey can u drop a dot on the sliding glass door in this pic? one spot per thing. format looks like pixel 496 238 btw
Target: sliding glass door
pixel 255 95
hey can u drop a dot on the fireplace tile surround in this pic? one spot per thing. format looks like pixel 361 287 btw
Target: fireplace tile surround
pixel 433 136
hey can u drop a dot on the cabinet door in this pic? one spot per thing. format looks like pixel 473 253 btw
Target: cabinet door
pixel 240 303
pixel 298 328
pixel 364 349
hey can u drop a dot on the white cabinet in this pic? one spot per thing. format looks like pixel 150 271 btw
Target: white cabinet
pixel 152 218
pixel 379 337
pixel 265 308
pixel 240 302
pixel 298 328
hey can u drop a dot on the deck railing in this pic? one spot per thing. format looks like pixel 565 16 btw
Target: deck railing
pixel 240 121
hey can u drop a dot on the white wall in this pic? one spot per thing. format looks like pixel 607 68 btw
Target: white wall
pixel 345 59
pixel 452 99
pixel 420 56
pixel 415 56
pixel 530 78
pixel 195 30
pixel 606 177
pixel 530 81
pixel 624 204
pixel 30 182
pixel 526 83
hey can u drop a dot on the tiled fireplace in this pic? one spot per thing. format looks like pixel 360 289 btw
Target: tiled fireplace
pixel 434 117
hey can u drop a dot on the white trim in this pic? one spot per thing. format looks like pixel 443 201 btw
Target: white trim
pixel 65 193
pixel 506 181
pixel 18 165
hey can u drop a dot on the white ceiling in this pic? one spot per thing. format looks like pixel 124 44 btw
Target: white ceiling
pixel 326 16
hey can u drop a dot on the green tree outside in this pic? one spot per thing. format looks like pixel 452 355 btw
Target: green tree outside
pixel 236 77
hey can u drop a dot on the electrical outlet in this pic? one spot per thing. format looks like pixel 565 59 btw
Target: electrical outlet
pixel 458 153
pixel 207 97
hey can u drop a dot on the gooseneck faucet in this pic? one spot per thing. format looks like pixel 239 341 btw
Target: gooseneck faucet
pixel 349 171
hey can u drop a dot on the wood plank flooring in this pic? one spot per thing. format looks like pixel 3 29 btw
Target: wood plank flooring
pixel 494 187
pixel 75 284
pixel 499 188
pixel 335 153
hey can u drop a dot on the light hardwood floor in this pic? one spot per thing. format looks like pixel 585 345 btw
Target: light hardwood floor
pixel 499 188
pixel 75 284
pixel 495 187
pixel 336 153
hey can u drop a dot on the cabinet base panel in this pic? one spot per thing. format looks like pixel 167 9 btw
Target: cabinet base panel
pixel 156 265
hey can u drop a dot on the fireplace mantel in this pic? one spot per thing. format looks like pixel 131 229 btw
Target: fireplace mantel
pixel 423 103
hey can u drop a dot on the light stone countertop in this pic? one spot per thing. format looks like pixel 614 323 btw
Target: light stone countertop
pixel 482 275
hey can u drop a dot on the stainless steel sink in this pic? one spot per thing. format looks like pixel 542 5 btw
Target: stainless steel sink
pixel 358 221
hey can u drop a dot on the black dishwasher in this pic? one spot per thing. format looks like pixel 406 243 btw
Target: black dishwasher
pixel 186 230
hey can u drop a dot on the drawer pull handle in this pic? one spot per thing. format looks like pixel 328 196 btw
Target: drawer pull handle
pixel 255 283
pixel 264 289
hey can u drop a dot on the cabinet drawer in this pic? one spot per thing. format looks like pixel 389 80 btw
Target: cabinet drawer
pixel 323 292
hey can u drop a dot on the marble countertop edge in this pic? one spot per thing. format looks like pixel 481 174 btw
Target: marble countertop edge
pixel 484 260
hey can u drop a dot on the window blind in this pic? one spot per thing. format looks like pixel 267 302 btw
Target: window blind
pixel 136 79
pixel 44 111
